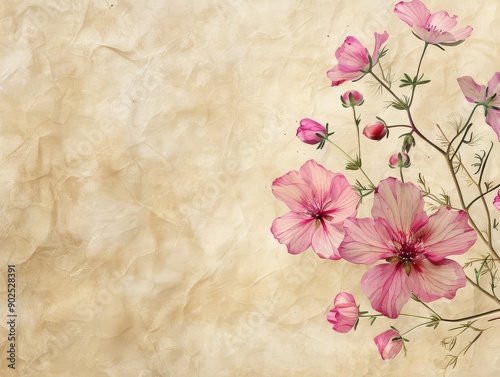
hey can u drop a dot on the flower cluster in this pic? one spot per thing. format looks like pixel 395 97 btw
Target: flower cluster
pixel 407 247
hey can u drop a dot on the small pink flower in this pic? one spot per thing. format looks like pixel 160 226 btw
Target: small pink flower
pixel 431 28
pixel 319 201
pixel 351 98
pixel 345 313
pixel 399 160
pixel 496 201
pixel 413 246
pixel 375 130
pixel 308 130
pixel 488 96
pixel 389 344
pixel 354 60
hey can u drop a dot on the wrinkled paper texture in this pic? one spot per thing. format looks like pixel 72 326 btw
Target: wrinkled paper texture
pixel 138 145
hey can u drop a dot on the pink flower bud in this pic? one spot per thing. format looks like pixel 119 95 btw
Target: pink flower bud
pixel 399 160
pixel 496 201
pixel 387 347
pixel 345 313
pixel 375 130
pixel 308 130
pixel 351 98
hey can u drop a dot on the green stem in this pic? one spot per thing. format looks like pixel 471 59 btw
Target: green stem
pixel 459 132
pixel 401 174
pixel 356 122
pixel 349 158
pixel 482 196
pixel 418 71
pixel 399 125
pixel 471 316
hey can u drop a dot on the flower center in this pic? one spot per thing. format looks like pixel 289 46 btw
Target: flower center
pixel 316 211
pixel 408 254
pixel 433 28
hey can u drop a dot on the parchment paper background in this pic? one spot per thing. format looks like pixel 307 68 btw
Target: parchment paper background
pixel 138 144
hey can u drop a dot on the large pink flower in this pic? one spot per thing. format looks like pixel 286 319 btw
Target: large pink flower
pixel 354 60
pixel 413 245
pixel 488 96
pixel 432 28
pixel 319 201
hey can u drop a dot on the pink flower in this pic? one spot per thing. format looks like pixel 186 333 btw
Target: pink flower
pixel 345 313
pixel 319 201
pixel 488 96
pixel 351 98
pixel 412 244
pixel 496 201
pixel 389 344
pixel 308 130
pixel 399 160
pixel 431 28
pixel 354 60
pixel 375 130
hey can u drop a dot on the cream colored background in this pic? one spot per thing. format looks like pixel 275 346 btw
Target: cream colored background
pixel 138 145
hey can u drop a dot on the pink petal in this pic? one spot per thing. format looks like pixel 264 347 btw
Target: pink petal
pixel 432 36
pixel 295 230
pixel 494 85
pixel 472 91
pixel 319 180
pixel 431 281
pixel 293 191
pixel 388 348
pixel 441 21
pixel 446 233
pixel 462 34
pixel 352 55
pixel 493 119
pixel 365 241
pixel 413 12
pixel 380 39
pixel 400 205
pixel 387 288
pixel 496 201
pixel 342 199
pixel 338 76
pixel 344 299
pixel 326 240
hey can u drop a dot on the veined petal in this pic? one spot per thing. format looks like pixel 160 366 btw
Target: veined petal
pixel 432 281
pixel 432 36
pixel 413 12
pixel 295 230
pixel 472 91
pixel 326 240
pixel 293 191
pixel 400 205
pixel 319 180
pixel 338 76
pixel 380 39
pixel 388 348
pixel 462 33
pixel 494 85
pixel 493 119
pixel 342 200
pixel 441 21
pixel 366 241
pixel 352 55
pixel 387 288
pixel 447 233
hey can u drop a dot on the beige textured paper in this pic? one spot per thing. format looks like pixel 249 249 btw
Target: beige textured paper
pixel 139 141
